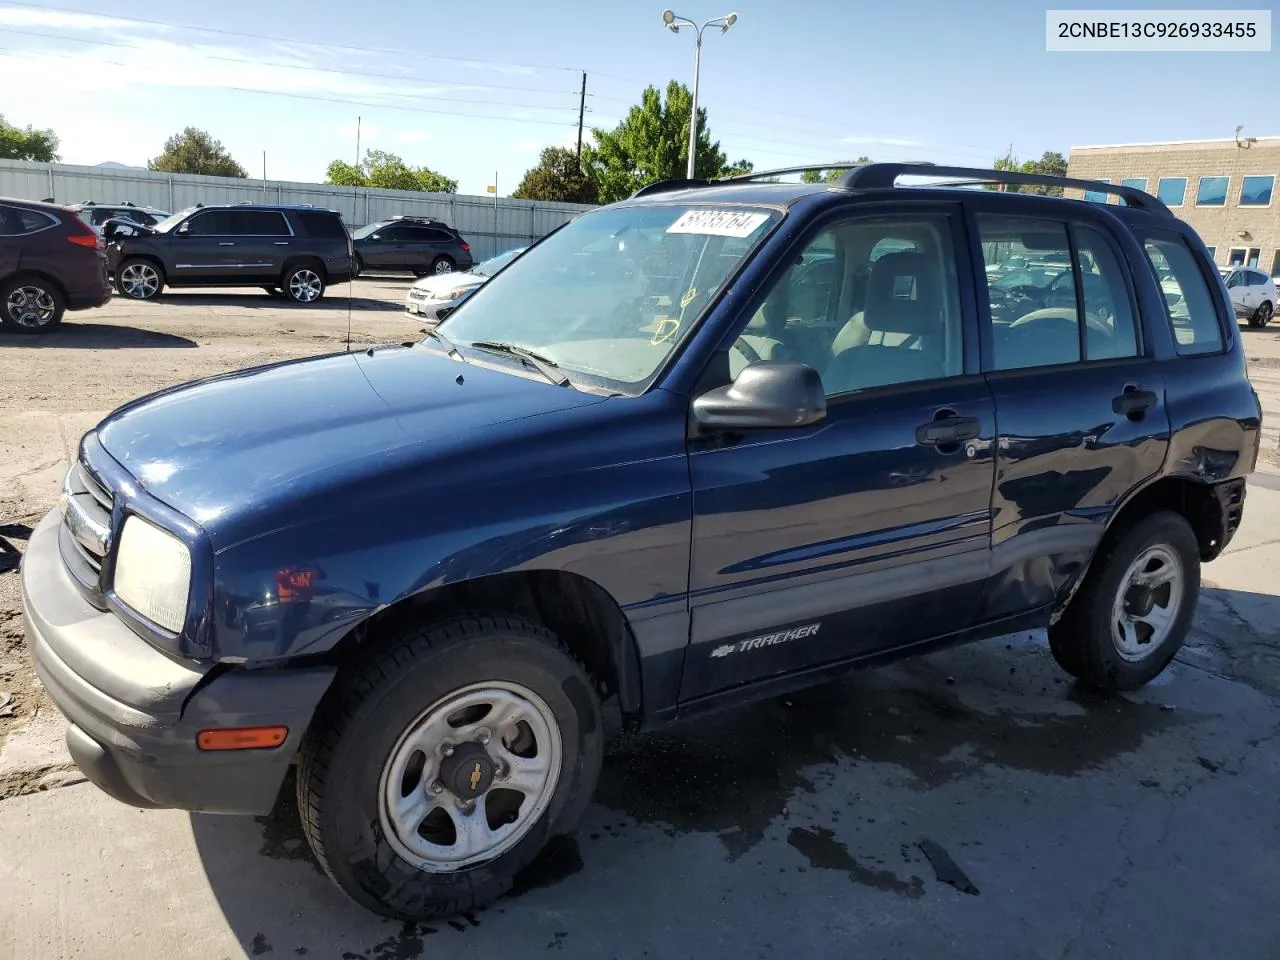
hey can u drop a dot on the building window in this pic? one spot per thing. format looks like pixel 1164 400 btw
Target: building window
pixel 1256 191
pixel 1212 192
pixel 1098 196
pixel 1213 252
pixel 1172 191
pixel 1138 183
pixel 1243 256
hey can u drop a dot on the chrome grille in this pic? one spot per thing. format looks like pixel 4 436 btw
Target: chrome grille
pixel 86 519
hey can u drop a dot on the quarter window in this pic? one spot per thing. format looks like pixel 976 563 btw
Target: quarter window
pixel 1189 306
pixel 1256 191
pixel 1109 330
pixel 17 222
pixel 869 303
pixel 1212 192
pixel 1172 191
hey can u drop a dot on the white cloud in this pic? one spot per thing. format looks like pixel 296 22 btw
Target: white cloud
pixel 412 136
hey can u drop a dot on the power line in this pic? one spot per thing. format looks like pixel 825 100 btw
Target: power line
pixel 310 43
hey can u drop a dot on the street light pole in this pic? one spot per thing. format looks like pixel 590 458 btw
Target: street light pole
pixel 673 23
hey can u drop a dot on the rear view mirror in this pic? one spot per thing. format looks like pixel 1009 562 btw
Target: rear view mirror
pixel 765 395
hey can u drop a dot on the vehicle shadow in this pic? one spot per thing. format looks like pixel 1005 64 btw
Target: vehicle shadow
pixel 335 298
pixel 96 336
pixel 711 806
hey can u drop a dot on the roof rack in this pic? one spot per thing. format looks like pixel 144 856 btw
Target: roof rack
pixel 415 217
pixel 884 176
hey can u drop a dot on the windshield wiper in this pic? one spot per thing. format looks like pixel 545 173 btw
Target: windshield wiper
pixel 448 344
pixel 544 365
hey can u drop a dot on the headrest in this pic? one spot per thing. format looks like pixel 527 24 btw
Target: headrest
pixel 903 294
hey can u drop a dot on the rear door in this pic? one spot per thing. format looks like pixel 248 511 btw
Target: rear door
pixel 1080 398
pixel 871 529
pixel 261 243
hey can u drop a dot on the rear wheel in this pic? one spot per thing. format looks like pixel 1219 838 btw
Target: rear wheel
pixel 302 283
pixel 1262 316
pixel 442 265
pixel 447 762
pixel 31 305
pixel 1133 611
pixel 139 279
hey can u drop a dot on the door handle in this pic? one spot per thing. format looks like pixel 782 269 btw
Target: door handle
pixel 948 430
pixel 226 243
pixel 282 243
pixel 1134 402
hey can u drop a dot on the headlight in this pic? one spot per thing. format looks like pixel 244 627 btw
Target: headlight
pixel 153 573
pixel 455 294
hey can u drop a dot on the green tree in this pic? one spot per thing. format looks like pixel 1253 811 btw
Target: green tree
pixel 1051 163
pixel 829 176
pixel 651 144
pixel 17 143
pixel 195 151
pixel 386 171
pixel 557 176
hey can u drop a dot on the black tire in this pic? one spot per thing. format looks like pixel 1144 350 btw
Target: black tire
pixel 37 305
pixel 1081 640
pixel 303 282
pixel 146 270
pixel 443 265
pixel 421 272
pixel 1262 316
pixel 357 266
pixel 362 719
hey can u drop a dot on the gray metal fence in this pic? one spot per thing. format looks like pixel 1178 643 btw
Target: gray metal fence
pixel 489 225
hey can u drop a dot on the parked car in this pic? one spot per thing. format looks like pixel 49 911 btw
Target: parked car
pixel 705 445
pixel 97 214
pixel 420 245
pixel 1253 295
pixel 51 261
pixel 429 295
pixel 297 250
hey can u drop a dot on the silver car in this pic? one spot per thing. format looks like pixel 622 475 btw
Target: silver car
pixel 1253 295
pixel 428 296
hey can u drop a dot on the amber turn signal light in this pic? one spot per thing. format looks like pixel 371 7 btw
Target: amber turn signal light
pixel 241 738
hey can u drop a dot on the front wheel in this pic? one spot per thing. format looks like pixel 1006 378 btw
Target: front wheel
pixel 1133 611
pixel 1262 316
pixel 447 762
pixel 139 279
pixel 303 283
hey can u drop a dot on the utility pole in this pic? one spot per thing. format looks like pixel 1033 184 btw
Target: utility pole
pixel 582 109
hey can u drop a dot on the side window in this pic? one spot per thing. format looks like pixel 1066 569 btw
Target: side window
pixel 397 233
pixel 1192 313
pixel 256 223
pixel 1109 329
pixel 33 220
pixel 1257 279
pixel 1035 318
pixel 10 223
pixel 868 303
pixel 431 235
pixel 327 225
pixel 1236 280
pixel 212 223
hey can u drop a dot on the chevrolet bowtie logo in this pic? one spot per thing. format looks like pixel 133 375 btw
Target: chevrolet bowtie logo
pixel 475 775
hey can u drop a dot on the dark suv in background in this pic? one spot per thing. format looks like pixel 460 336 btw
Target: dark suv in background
pixel 295 249
pixel 421 245
pixel 50 262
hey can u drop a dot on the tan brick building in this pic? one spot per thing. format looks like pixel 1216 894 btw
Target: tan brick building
pixel 1226 189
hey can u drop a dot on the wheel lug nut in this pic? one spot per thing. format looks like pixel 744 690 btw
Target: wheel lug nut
pixel 484 736
pixel 437 787
pixel 448 749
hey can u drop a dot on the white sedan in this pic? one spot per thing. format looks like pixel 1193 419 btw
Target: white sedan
pixel 1253 294
pixel 428 296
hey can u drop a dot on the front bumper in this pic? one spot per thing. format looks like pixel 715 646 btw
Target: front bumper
pixel 134 712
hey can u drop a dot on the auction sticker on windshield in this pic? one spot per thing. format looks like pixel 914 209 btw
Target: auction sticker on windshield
pixel 718 223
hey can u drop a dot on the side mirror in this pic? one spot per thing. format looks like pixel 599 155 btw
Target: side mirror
pixel 183 230
pixel 765 395
pixel 374 236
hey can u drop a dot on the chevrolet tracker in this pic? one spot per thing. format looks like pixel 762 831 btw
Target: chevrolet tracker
pixel 712 443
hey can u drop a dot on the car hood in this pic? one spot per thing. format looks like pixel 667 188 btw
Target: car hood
pixel 444 282
pixel 322 431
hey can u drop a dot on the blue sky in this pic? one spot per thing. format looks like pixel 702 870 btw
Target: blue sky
pixel 807 80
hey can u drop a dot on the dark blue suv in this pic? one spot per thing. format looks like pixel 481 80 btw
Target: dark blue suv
pixel 713 443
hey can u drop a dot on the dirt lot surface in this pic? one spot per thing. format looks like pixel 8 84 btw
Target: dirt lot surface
pixel 55 387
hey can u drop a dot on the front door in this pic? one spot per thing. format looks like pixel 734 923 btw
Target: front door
pixel 203 249
pixel 870 529
pixel 1080 401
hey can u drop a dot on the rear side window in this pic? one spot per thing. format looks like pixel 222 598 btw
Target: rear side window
pixel 326 225
pixel 257 223
pixel 1109 328
pixel 1189 306
pixel 17 222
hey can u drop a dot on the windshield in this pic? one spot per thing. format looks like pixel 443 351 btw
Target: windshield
pixel 491 266
pixel 611 294
pixel 172 220
pixel 369 229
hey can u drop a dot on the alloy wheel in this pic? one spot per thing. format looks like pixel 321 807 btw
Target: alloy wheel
pixel 304 285
pixel 140 281
pixel 1147 603
pixel 31 306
